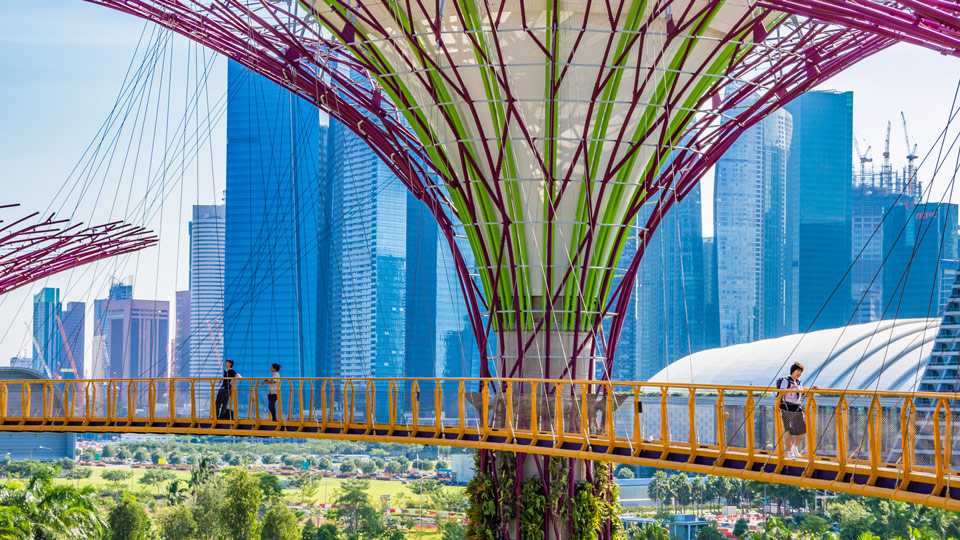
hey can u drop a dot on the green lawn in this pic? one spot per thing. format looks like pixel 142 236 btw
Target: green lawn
pixel 131 484
pixel 327 487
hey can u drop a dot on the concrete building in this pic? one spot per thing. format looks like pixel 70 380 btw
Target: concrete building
pixel 135 337
pixel 180 355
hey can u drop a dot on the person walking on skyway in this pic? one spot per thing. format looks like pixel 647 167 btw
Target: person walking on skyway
pixel 791 409
pixel 223 395
pixel 273 387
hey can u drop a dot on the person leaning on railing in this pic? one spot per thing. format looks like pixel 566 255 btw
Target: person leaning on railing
pixel 791 409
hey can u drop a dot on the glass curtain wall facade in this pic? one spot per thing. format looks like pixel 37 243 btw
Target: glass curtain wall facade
pixel 274 166
pixel 881 207
pixel 750 224
pixel 74 326
pixel 919 273
pixel 368 253
pixel 666 311
pixel 47 343
pixel 820 207
pixel 180 355
pixel 205 309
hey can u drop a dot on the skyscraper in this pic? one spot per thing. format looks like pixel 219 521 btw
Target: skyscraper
pixel 180 362
pixel 271 234
pixel 922 260
pixel 711 295
pixel 666 315
pixel 820 208
pixel 750 214
pixel 369 253
pixel 205 308
pixel 136 336
pixel 47 342
pixel 875 196
pixel 74 321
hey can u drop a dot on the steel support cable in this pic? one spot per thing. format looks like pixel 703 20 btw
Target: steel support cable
pixel 943 134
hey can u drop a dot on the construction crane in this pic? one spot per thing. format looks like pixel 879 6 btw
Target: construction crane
pixel 886 172
pixel 911 153
pixel 864 159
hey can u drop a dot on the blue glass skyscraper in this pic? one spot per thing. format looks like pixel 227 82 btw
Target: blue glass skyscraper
pixel 47 342
pixel 665 319
pixel 820 208
pixel 921 246
pixel 274 164
pixel 750 223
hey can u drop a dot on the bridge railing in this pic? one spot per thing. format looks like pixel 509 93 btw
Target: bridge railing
pixel 878 434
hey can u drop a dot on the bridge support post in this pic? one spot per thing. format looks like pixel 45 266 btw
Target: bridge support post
pixel 518 496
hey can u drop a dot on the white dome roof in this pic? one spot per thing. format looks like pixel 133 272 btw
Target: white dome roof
pixel 881 355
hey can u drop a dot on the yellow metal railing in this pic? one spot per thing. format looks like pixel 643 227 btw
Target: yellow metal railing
pixel 897 445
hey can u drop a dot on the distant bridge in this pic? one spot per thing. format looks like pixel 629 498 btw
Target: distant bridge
pixel 884 444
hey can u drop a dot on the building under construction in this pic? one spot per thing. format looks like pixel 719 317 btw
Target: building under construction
pixel 898 252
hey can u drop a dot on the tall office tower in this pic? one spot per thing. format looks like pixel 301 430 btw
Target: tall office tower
pixel 180 355
pixel 820 208
pixel 136 335
pixel 666 319
pixel 100 359
pixel 711 295
pixel 74 321
pixel 368 261
pixel 750 222
pixel 874 198
pixel 270 264
pixel 206 291
pixel 922 260
pixel 439 338
pixel 47 342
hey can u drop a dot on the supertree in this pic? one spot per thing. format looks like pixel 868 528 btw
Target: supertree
pixel 32 248
pixel 542 131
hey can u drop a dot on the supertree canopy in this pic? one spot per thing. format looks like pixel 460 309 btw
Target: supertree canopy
pixel 33 249
pixel 547 134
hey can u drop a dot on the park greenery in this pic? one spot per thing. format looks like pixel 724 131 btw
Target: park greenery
pixel 244 491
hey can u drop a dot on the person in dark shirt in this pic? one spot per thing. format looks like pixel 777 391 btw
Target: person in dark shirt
pixel 223 395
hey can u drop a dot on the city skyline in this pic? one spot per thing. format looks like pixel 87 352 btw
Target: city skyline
pixel 14 311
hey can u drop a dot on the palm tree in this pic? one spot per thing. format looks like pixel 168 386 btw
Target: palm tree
pixel 657 489
pixel 697 489
pixel 942 521
pixel 43 511
pixel 201 473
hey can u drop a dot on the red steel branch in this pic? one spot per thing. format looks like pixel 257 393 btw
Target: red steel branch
pixel 780 62
pixel 31 250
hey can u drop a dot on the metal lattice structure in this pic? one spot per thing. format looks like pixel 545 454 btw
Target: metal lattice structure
pixel 542 153
pixel 547 134
pixel 32 249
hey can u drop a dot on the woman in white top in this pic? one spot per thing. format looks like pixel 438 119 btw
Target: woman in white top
pixel 273 387
pixel 791 409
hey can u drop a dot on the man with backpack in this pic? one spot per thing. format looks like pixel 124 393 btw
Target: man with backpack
pixel 791 409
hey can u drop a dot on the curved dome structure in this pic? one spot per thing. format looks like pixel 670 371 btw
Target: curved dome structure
pixel 882 355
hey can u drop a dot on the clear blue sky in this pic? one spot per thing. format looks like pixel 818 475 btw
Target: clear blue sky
pixel 63 62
